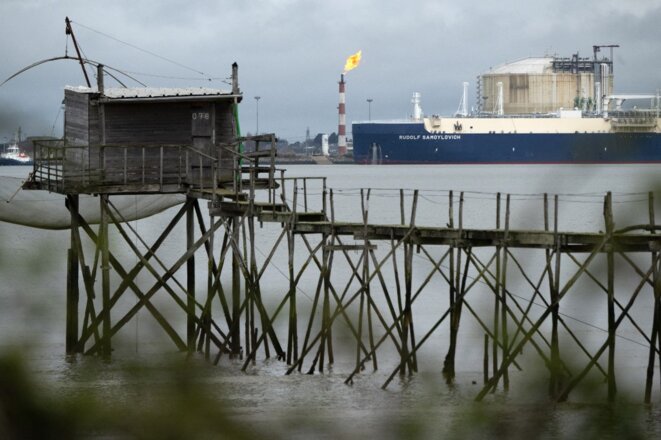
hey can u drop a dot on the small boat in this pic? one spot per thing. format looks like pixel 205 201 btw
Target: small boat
pixel 14 156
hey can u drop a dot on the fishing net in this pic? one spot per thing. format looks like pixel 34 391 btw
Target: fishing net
pixel 41 209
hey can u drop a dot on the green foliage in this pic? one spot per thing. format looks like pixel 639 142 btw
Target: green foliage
pixel 162 403
pixel 27 414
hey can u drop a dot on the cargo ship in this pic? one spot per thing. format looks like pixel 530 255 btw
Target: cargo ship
pixel 546 110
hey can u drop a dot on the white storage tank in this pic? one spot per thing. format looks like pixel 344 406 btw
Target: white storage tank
pixel 543 85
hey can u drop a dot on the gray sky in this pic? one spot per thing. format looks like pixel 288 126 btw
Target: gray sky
pixel 291 52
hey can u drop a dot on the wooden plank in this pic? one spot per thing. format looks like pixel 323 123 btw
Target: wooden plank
pixel 224 123
pixel 350 247
pixel 137 123
pixel 256 154
pixel 76 119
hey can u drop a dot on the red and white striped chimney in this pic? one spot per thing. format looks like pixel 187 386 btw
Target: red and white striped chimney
pixel 342 126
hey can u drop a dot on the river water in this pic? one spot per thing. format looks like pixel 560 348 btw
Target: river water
pixel 147 372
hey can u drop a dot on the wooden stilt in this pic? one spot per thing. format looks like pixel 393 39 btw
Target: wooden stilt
pixel 496 306
pixel 402 211
pixel 455 302
pixel 485 362
pixel 658 337
pixel 105 274
pixel 326 343
pixel 364 286
pixel 73 293
pixel 555 384
pixel 503 294
pixel 235 333
pixel 412 222
pixel 359 337
pixel 249 321
pixel 205 326
pixel 190 274
pixel 402 306
pixel 328 333
pixel 255 292
pixel 448 363
pixel 655 314
pixel 292 340
pixel 408 279
pixel 366 281
pixel 389 303
pixel 212 266
pixel 311 320
pixel 608 218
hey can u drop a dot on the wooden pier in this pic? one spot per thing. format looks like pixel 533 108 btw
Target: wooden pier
pixel 377 302
pixel 364 270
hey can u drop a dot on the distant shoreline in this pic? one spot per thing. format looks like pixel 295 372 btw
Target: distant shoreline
pixel 313 160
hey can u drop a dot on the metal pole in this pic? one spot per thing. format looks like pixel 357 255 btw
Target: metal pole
pixel 369 108
pixel 257 98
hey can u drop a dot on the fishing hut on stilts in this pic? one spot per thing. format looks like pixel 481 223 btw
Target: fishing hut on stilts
pixel 152 141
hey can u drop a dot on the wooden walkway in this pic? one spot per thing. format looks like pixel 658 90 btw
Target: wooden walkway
pixel 370 283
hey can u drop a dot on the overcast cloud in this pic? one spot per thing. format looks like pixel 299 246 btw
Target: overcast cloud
pixel 291 52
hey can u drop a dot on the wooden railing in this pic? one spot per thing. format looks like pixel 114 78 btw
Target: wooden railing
pixel 157 168
pixel 49 165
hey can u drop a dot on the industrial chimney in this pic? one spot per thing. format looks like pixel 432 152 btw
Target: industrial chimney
pixel 342 125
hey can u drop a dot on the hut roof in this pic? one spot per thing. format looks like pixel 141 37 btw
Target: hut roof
pixel 156 93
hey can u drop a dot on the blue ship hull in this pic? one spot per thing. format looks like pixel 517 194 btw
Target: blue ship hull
pixel 6 161
pixel 411 143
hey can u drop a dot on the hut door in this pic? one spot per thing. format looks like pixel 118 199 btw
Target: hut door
pixel 202 123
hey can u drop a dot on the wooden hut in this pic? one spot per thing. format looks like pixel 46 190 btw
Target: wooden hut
pixel 143 140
